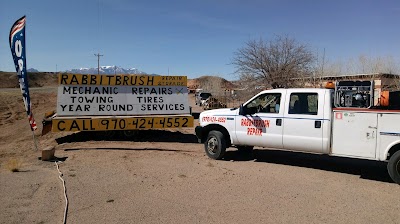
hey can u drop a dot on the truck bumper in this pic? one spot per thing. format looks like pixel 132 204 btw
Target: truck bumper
pixel 199 130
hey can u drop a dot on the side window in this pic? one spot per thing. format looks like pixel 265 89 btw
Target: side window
pixel 265 103
pixel 303 103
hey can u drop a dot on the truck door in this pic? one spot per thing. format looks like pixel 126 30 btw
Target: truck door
pixel 304 121
pixel 262 123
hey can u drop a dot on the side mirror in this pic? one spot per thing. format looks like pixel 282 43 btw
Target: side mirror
pixel 241 110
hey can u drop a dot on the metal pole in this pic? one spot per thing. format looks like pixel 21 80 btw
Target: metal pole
pixel 34 140
pixel 323 62
pixel 98 62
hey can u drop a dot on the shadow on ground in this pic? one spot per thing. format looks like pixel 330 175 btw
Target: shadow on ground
pixel 366 169
pixel 124 149
pixel 55 159
pixel 137 136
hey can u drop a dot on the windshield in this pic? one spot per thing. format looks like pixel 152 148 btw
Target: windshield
pixel 205 95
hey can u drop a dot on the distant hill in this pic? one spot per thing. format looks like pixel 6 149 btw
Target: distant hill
pixel 209 83
pixel 35 79
pixel 39 79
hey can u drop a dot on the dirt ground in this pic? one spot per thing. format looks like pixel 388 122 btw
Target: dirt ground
pixel 163 176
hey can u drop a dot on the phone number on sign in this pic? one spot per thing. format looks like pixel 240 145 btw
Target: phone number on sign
pixel 103 124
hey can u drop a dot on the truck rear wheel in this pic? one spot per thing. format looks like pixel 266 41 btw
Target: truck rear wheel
pixel 215 145
pixel 394 167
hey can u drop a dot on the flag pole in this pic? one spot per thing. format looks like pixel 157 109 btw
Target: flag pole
pixel 34 140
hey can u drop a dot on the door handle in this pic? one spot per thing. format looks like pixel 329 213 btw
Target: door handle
pixel 371 135
pixel 278 122
pixel 317 124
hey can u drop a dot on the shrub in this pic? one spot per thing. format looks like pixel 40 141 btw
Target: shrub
pixel 14 165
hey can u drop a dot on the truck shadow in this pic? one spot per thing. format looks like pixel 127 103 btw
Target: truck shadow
pixel 139 136
pixel 125 149
pixel 366 169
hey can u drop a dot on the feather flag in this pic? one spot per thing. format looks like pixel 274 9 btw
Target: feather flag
pixel 17 46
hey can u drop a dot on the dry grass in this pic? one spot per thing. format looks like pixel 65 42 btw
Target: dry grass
pixel 209 164
pixel 14 165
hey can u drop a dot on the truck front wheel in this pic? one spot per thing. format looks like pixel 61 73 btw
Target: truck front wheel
pixel 394 167
pixel 215 145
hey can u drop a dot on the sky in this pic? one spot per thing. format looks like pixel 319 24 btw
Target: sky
pixel 192 38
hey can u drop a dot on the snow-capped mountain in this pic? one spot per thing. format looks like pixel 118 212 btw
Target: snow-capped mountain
pixel 108 70
pixel 32 70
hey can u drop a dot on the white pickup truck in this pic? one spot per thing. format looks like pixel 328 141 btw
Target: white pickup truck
pixel 341 122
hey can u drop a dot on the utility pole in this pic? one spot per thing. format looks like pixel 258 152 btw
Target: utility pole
pixel 98 62
pixel 323 63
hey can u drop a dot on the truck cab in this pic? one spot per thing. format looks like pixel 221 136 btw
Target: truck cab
pixel 277 119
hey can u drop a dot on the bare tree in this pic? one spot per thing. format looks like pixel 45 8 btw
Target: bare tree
pixel 365 65
pixel 279 62
pixel 212 84
pixel 385 68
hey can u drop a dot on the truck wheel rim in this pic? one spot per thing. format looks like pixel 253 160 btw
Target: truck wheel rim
pixel 212 145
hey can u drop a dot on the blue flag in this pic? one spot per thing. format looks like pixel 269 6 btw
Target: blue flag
pixel 17 46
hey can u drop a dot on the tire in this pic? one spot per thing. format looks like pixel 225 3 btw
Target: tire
pixel 245 149
pixel 215 145
pixel 394 167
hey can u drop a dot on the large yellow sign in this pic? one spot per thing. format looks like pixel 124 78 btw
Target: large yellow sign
pixel 120 123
